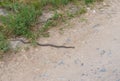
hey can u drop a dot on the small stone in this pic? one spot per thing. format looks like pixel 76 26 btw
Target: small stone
pixel 84 42
pixel 88 8
pixel 97 48
pixel 72 9
pixel 68 40
pixel 109 53
pixel 15 44
pixel 44 75
pixel 94 11
pixel 36 49
pixel 77 61
pixel 102 52
pixel 103 70
pixel 46 16
pixel 104 4
pixel 82 64
pixel 61 62
pixel 83 74
pixel 3 12
pixel 97 25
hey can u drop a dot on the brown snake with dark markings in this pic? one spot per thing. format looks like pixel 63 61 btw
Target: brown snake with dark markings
pixel 50 45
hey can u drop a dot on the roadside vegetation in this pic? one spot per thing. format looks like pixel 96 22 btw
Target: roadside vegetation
pixel 22 17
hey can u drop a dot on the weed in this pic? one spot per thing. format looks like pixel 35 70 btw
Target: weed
pixel 20 23
pixel 51 22
pixel 54 3
pixel 56 16
pixel 4 44
pixel 70 15
pixel 81 11
pixel 89 1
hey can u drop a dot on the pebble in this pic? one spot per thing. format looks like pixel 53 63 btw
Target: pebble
pixel 46 16
pixel 61 62
pixel 103 52
pixel 82 64
pixel 103 70
pixel 97 25
pixel 109 53
pixel 44 75
pixel 15 44
pixel 94 11
pixel 104 4
pixel 77 61
pixel 68 40
pixel 3 12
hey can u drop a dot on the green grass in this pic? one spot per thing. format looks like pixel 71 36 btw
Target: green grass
pixel 91 1
pixel 22 18
pixel 54 3
pixel 20 23
pixel 4 44
pixel 56 18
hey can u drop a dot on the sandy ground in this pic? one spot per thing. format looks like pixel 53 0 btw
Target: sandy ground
pixel 95 58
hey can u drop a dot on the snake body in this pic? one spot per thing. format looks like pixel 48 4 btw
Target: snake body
pixel 45 45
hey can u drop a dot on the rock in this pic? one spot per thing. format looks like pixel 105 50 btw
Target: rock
pixel 46 16
pixel 3 12
pixel 15 44
pixel 109 53
pixel 103 70
pixel 72 9
pixel 77 61
pixel 68 40
pixel 45 75
pixel 94 11
pixel 88 8
pixel 104 4
pixel 61 62
pixel 96 25
pixel 102 52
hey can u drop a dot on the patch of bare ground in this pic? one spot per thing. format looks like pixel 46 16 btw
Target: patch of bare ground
pixel 95 57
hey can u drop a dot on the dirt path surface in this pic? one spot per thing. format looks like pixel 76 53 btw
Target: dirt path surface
pixel 96 56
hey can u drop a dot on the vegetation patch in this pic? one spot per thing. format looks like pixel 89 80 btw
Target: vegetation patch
pixel 22 16
pixel 4 44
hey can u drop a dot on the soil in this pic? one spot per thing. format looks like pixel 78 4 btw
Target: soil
pixel 96 38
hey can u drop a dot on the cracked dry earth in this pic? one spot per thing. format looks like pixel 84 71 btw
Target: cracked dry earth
pixel 96 56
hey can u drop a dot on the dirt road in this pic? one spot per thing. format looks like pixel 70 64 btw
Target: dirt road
pixel 96 56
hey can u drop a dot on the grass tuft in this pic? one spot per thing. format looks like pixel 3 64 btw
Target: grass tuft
pixel 4 44
pixel 20 23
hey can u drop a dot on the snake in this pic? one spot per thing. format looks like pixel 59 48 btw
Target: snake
pixel 45 45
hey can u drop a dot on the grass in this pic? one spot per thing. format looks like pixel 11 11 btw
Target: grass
pixel 4 44
pixel 51 23
pixel 20 23
pixel 54 3
pixel 23 15
pixel 91 1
